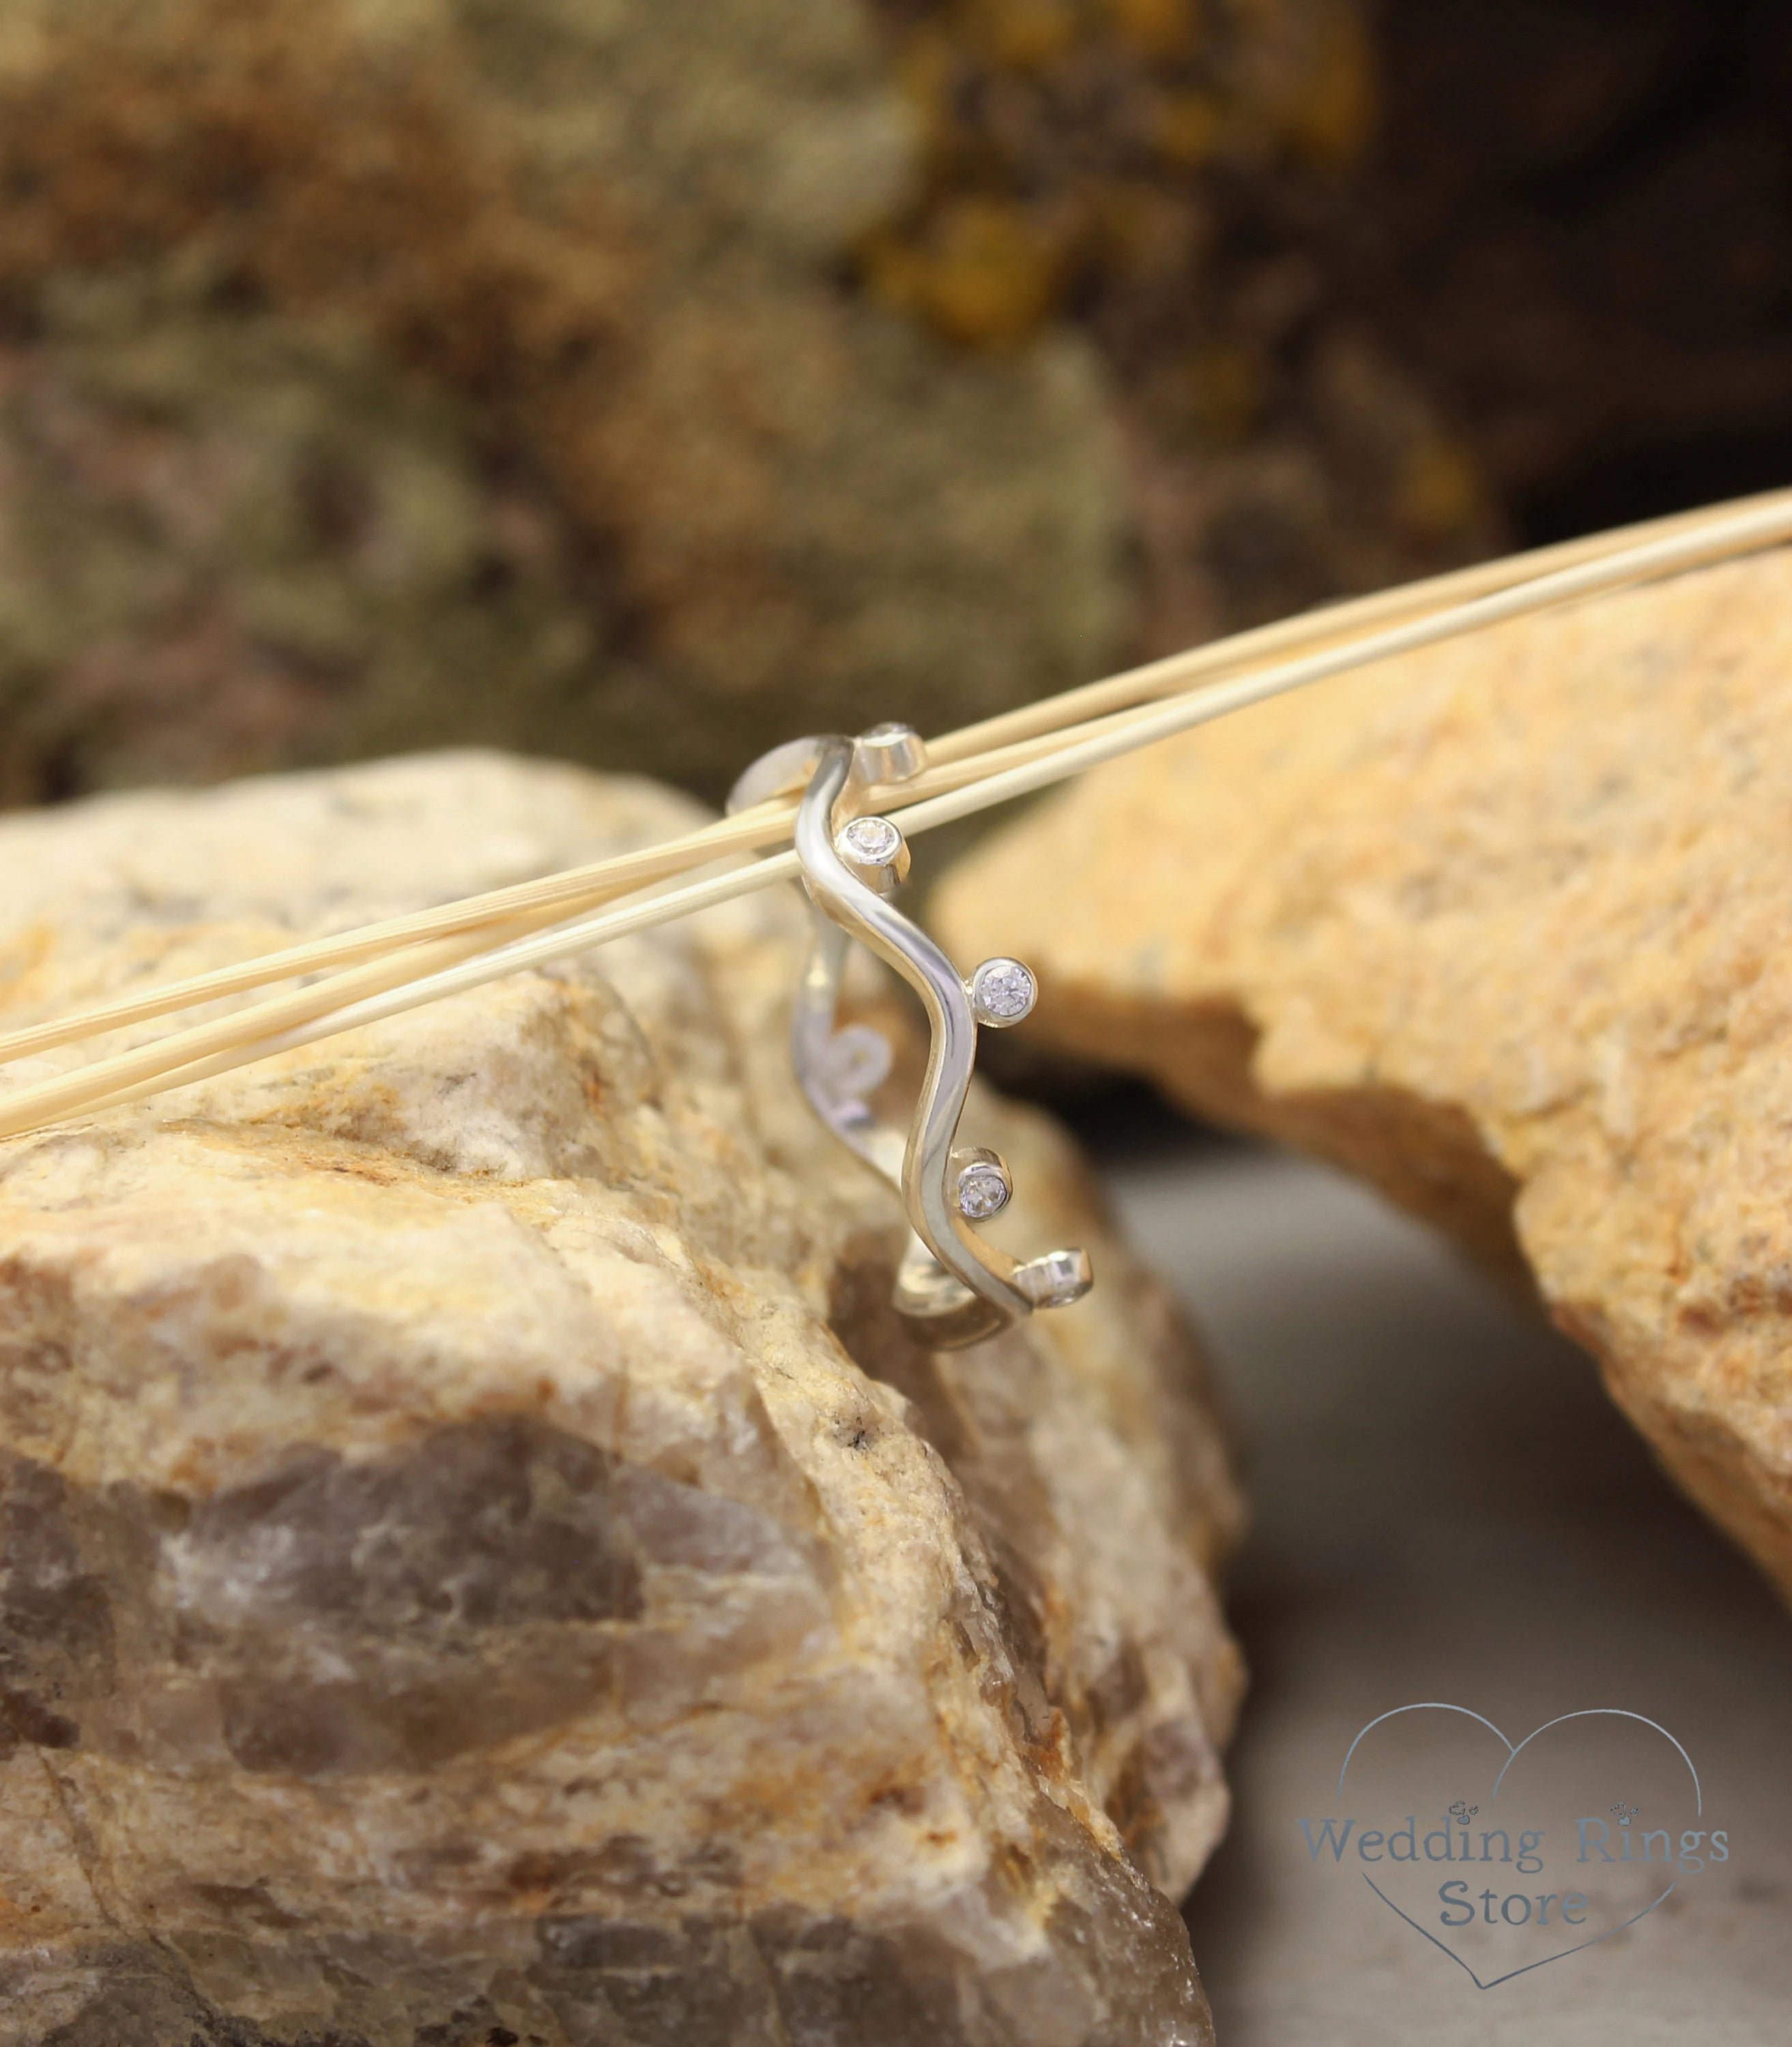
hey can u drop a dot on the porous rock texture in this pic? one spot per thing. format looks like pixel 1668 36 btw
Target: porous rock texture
pixel 1502 926
pixel 480 1563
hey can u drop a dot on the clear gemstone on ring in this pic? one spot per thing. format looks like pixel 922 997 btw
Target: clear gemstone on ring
pixel 1002 991
pixel 870 842
pixel 983 1189
pixel 1056 1278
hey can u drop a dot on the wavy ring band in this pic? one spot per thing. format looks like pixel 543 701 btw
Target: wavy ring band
pixel 953 1287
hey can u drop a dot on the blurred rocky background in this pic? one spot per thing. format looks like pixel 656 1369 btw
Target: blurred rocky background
pixel 645 381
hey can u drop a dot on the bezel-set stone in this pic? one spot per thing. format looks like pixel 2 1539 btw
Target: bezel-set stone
pixel 982 1190
pixel 1055 1279
pixel 869 842
pixel 889 753
pixel 1002 992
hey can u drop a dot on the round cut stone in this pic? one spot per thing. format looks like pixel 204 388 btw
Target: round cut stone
pixel 1002 991
pixel 870 842
pixel 890 753
pixel 983 1188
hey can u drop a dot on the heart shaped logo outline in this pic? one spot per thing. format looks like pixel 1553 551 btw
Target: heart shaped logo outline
pixel 1513 1750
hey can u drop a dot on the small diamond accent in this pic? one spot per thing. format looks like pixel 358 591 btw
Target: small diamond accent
pixel 983 1189
pixel 870 842
pixel 1002 991
pixel 1056 1278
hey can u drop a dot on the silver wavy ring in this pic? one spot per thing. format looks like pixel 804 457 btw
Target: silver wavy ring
pixel 952 1288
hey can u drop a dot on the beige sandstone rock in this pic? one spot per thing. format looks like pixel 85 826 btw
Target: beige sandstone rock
pixel 477 1563
pixel 1504 927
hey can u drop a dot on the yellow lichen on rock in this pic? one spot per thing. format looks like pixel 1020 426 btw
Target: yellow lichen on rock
pixel 1502 926
pixel 1183 181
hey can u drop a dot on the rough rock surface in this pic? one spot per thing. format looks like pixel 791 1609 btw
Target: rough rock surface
pixel 479 1563
pixel 384 372
pixel 1184 181
pixel 1504 927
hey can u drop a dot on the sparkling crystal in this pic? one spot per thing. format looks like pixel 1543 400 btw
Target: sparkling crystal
pixel 1056 1278
pixel 1002 991
pixel 1062 1269
pixel 870 842
pixel 889 753
pixel 983 1188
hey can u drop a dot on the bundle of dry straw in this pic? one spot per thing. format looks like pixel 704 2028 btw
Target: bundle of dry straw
pixel 361 975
